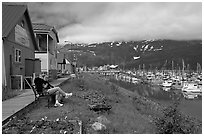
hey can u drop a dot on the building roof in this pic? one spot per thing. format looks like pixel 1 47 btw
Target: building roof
pixel 44 27
pixel 37 26
pixel 10 16
pixel 62 58
pixel 11 13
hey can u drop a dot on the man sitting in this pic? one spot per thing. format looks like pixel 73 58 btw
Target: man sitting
pixel 49 89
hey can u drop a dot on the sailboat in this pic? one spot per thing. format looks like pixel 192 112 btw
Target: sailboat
pixel 198 68
pixel 183 70
pixel 167 83
pixel 172 67
pixel 191 91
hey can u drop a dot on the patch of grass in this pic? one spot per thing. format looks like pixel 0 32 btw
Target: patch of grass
pixel 114 88
pixel 126 85
pixel 43 126
pixel 79 83
pixel 146 106
pixel 123 116
pixel 173 122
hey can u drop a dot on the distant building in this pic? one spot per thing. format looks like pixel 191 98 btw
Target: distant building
pixel 47 39
pixel 63 64
pixel 113 67
pixel 18 46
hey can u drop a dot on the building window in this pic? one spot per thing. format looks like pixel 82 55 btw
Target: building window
pixel 17 55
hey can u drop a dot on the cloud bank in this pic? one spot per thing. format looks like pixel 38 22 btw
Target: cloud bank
pixel 97 22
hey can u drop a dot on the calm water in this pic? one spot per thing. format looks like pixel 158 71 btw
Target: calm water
pixel 189 107
pixel 156 93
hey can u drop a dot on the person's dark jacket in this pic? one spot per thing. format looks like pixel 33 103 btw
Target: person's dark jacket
pixel 39 84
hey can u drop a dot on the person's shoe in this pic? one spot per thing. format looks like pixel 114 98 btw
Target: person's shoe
pixel 57 104
pixel 67 95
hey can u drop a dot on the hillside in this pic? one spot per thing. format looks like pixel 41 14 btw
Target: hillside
pixel 152 53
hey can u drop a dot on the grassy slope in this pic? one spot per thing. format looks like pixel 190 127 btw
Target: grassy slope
pixel 124 116
pixel 130 113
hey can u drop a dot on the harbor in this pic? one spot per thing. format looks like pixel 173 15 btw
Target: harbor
pixel 163 87
pixel 101 68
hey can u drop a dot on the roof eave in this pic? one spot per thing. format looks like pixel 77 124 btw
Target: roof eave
pixel 54 30
pixel 31 29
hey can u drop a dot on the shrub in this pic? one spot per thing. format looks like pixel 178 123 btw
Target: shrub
pixel 173 122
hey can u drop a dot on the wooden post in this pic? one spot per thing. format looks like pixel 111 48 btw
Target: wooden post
pixel 47 55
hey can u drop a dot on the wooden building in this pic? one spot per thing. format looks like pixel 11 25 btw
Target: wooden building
pixel 63 63
pixel 47 39
pixel 18 46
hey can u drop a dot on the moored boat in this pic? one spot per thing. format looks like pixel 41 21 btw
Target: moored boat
pixel 191 90
pixel 167 83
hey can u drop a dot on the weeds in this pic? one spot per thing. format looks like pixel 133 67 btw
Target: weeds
pixel 43 126
pixel 80 83
pixel 114 88
pixel 126 85
pixel 173 122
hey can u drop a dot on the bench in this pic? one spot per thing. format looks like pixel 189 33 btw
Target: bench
pixel 49 97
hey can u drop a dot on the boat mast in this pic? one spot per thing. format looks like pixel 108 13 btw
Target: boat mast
pixel 143 67
pixel 172 67
pixel 199 68
pixel 188 68
pixel 183 68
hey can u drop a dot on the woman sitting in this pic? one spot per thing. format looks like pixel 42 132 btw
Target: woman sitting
pixel 55 90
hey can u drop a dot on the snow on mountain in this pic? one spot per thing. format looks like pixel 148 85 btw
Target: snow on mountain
pixel 93 53
pixel 135 58
pixel 146 46
pixel 149 40
pixel 150 48
pixel 157 49
pixel 135 48
pixel 92 46
pixel 143 46
pixel 146 51
pixel 118 44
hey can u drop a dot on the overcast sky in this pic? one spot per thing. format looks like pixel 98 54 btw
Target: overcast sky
pixel 97 22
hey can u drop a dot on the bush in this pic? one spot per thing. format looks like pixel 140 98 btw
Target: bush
pixel 173 122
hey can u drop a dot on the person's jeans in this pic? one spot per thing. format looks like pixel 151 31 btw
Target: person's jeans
pixel 56 90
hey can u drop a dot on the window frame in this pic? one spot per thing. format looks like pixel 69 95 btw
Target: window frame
pixel 18 55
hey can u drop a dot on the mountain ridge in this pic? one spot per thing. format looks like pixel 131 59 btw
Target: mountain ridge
pixel 132 54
